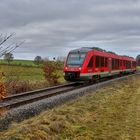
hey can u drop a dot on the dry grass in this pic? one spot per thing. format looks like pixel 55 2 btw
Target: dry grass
pixel 112 113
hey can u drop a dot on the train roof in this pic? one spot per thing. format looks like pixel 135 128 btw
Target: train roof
pixel 100 51
pixel 84 49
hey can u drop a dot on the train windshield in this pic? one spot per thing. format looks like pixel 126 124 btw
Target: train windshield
pixel 76 59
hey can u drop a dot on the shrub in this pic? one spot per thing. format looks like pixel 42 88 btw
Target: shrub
pixel 51 74
pixel 2 86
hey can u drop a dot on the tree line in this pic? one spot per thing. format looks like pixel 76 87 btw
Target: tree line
pixel 37 60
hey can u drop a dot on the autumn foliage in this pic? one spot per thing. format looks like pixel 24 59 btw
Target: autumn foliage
pixel 51 69
pixel 2 86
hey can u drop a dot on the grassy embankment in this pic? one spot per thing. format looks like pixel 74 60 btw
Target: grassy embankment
pixel 111 113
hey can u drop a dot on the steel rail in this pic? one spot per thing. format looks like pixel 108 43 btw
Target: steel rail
pixel 14 96
pixel 29 97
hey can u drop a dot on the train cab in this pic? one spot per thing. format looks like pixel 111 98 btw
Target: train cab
pixel 74 63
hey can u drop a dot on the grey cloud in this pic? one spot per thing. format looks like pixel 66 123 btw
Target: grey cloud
pixel 54 27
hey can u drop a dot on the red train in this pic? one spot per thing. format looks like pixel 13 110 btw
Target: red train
pixel 94 63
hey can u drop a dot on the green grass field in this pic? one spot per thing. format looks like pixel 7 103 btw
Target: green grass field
pixel 21 70
pixel 111 113
pixel 24 70
pixel 19 62
pixel 22 73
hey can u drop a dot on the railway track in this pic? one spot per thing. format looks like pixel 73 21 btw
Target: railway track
pixel 29 97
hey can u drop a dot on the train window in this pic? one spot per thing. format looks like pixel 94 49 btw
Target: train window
pixel 102 62
pixel 105 62
pixel 134 64
pixel 129 65
pixel 124 62
pixel 90 64
pixel 76 59
pixel 120 63
pixel 116 64
pixel 113 64
pixel 97 62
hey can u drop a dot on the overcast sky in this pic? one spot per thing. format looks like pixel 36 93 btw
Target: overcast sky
pixel 53 27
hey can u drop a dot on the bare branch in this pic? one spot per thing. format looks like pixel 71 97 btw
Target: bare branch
pixel 11 47
pixel 6 38
pixel 6 49
pixel 17 45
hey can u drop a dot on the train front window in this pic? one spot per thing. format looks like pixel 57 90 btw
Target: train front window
pixel 76 59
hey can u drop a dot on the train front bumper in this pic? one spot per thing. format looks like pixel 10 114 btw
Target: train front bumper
pixel 76 76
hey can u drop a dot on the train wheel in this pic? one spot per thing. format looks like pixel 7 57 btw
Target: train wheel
pixel 95 78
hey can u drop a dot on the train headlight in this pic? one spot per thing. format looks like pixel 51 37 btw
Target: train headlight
pixel 80 69
pixel 66 68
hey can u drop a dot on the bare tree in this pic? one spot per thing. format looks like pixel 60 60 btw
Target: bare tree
pixel 3 39
pixel 8 48
pixel 6 51
pixel 8 57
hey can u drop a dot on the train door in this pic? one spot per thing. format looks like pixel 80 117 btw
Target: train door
pixel 91 64
pixel 110 65
pixel 97 64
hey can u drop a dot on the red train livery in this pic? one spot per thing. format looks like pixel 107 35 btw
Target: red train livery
pixel 93 63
